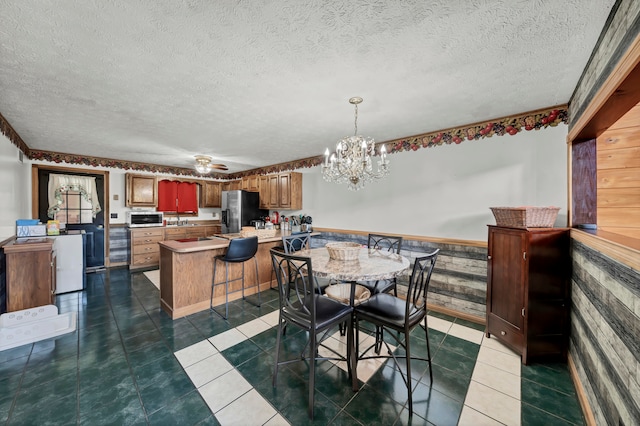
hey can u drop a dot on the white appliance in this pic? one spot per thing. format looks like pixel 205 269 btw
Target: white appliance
pixel 141 218
pixel 70 261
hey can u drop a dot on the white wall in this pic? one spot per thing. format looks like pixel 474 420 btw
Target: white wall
pixel 446 191
pixel 15 188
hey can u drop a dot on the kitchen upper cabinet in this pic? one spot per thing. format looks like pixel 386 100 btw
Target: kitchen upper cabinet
pixel 281 191
pixel 251 183
pixel 231 185
pixel 528 273
pixel 211 194
pixel 290 187
pixel 264 191
pixel 141 190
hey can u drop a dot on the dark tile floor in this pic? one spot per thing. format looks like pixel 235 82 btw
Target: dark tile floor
pixel 119 367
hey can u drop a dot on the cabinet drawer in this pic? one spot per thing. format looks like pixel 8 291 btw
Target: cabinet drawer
pixel 151 232
pixel 145 240
pixel 145 259
pixel 505 332
pixel 145 248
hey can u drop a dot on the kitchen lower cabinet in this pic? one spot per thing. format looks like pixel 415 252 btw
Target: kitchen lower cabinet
pixel 30 273
pixel 145 252
pixel 528 272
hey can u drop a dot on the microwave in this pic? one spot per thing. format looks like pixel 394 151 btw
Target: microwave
pixel 139 219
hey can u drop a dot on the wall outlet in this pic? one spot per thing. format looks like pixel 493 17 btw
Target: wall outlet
pixel 116 197
pixel 114 215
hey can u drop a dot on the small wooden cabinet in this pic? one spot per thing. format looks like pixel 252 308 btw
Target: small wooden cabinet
pixel 281 191
pixel 31 273
pixel 251 183
pixel 528 272
pixel 231 185
pixel 141 190
pixel 145 251
pixel 210 194
pixel 263 185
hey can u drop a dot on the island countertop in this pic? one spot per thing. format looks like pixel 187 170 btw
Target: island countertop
pixel 218 241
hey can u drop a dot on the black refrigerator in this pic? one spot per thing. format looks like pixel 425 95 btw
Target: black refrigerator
pixel 239 208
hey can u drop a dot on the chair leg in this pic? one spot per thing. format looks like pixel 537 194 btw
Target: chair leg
pixel 226 291
pixel 410 392
pixel 275 368
pixel 257 281
pixel 426 333
pixel 312 370
pixel 242 280
pixel 379 337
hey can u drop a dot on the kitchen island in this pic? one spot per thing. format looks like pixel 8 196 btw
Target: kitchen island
pixel 186 272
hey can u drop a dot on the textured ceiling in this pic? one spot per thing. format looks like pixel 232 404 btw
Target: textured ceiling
pixel 254 83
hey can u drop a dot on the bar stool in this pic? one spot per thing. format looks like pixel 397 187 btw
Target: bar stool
pixel 239 251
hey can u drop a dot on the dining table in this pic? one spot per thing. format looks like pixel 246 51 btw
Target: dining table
pixel 370 265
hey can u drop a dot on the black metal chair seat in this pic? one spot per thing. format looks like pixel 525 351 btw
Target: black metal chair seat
pixel 327 310
pixel 388 310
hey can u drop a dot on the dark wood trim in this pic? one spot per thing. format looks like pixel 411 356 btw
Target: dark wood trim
pixel 35 203
pixel 469 243
pixel 8 130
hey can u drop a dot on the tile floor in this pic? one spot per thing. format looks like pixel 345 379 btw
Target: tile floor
pixel 129 363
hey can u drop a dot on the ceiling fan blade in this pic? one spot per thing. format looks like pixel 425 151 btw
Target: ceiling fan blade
pixel 219 167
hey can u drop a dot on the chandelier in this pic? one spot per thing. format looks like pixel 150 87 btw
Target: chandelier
pixel 351 162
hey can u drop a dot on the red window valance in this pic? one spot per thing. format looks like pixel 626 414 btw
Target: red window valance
pixel 180 197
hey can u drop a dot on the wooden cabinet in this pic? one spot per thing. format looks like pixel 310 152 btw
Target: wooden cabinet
pixel 211 230
pixel 175 233
pixel 211 194
pixel 145 251
pixel 528 273
pixel 231 185
pixel 290 190
pixel 141 190
pixel 263 185
pixel 281 191
pixel 30 273
pixel 251 183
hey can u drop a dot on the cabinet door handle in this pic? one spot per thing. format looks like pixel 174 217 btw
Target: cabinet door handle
pixel 504 333
pixel 524 255
pixel 489 257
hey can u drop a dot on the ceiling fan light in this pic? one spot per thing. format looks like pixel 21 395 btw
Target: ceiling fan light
pixel 203 164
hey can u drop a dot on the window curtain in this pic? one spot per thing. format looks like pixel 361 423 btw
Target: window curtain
pixel 85 185
pixel 167 196
pixel 180 197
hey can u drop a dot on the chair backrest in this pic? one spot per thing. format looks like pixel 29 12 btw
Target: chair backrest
pixel 295 242
pixel 419 285
pixel 385 242
pixel 295 287
pixel 241 249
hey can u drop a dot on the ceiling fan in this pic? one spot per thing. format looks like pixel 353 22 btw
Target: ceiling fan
pixel 203 164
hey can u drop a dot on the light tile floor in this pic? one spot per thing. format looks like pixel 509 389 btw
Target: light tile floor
pixel 129 363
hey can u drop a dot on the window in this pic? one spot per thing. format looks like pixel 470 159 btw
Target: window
pixel 74 208
pixel 76 195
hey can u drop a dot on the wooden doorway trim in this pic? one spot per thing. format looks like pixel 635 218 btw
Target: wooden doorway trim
pixel 35 203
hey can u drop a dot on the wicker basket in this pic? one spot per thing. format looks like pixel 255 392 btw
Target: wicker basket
pixel 261 233
pixel 342 293
pixel 343 251
pixel 525 217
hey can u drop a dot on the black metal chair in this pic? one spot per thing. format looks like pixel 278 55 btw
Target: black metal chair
pixel 388 243
pixel 239 251
pixel 301 306
pixel 299 241
pixel 394 314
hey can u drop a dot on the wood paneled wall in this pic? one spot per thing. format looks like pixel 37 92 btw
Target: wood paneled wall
pixel 618 176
